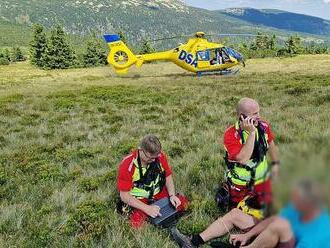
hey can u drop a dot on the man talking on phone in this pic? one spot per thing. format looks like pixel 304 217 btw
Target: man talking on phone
pixel 247 143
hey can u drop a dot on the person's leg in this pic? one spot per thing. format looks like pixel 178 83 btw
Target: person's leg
pixel 218 228
pixel 277 232
pixel 223 225
pixel 264 192
pixel 138 218
pixel 184 203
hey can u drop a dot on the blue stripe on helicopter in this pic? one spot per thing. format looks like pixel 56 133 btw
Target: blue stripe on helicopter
pixel 111 37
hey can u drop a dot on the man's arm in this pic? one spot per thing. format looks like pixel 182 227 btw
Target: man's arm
pixel 127 198
pixel 244 238
pixel 247 149
pixel 273 153
pixel 170 185
pixel 150 210
pixel 256 230
pixel 171 191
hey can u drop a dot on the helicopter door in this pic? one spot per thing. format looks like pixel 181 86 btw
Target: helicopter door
pixel 217 57
pixel 203 59
pixel 225 55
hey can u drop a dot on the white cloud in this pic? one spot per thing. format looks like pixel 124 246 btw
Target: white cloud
pixel 326 1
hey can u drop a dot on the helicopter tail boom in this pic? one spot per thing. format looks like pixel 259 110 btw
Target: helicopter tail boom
pixel 120 56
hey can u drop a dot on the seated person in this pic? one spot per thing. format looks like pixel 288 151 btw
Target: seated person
pixel 304 223
pixel 217 60
pixel 144 177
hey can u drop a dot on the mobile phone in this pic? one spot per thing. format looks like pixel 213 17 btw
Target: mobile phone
pixel 243 117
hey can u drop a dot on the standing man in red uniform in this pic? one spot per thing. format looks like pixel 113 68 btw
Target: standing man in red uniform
pixel 247 143
pixel 144 177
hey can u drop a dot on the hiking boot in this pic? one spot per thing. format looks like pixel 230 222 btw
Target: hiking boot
pixel 182 240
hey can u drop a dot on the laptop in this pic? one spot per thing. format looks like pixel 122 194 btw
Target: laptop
pixel 168 212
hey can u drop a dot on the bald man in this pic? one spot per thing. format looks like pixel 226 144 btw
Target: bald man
pixel 247 142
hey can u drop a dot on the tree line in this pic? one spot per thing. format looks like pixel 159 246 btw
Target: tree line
pixel 270 46
pixel 55 50
pixel 8 56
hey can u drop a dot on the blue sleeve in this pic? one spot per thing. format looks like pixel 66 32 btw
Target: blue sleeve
pixel 287 212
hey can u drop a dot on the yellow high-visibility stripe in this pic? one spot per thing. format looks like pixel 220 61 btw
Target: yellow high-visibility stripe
pixel 262 169
pixel 141 193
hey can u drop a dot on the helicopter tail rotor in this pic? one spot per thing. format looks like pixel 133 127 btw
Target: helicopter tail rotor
pixel 120 56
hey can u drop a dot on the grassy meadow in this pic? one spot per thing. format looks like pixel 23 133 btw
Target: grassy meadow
pixel 63 134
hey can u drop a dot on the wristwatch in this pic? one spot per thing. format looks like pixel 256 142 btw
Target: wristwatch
pixel 275 163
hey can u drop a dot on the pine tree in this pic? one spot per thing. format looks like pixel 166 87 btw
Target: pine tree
pixel 59 54
pixel 17 55
pixel 3 59
pixel 272 42
pixel 38 46
pixel 122 37
pixel 263 42
pixel 293 45
pixel 6 54
pixel 95 53
pixel 146 47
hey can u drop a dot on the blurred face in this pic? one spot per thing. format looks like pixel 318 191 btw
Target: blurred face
pixel 301 205
pixel 147 157
pixel 253 111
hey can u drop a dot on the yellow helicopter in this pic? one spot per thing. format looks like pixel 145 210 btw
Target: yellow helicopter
pixel 198 55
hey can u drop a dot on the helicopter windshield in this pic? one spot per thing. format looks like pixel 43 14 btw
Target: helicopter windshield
pixel 233 53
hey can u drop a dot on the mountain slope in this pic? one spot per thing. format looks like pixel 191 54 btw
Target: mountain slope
pixel 281 20
pixel 14 34
pixel 138 19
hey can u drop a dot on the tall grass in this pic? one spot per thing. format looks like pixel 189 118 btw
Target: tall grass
pixel 63 134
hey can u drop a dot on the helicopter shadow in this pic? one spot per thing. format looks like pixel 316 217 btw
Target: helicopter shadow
pixel 177 75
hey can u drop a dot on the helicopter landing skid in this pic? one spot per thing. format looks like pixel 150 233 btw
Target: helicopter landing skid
pixel 221 72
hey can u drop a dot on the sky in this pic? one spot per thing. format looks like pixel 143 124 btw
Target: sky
pixel 320 8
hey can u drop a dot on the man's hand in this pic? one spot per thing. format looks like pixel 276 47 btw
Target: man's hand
pixel 248 125
pixel 242 239
pixel 153 211
pixel 175 201
pixel 275 172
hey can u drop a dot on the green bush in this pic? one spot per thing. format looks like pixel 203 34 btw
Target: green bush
pixel 4 61
pixel 88 221
pixel 17 55
pixel 95 53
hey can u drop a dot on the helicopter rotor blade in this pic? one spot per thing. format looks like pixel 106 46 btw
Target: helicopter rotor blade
pixel 191 35
pixel 251 35
pixel 170 38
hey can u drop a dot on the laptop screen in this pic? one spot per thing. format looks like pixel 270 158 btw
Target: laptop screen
pixel 167 210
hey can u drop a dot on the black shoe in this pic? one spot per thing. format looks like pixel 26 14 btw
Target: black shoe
pixel 220 244
pixel 182 240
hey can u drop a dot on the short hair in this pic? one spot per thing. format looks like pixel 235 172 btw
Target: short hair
pixel 150 143
pixel 242 102
pixel 310 192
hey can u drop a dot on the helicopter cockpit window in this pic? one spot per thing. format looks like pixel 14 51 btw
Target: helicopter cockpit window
pixel 203 55
pixel 233 53
pixel 219 56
